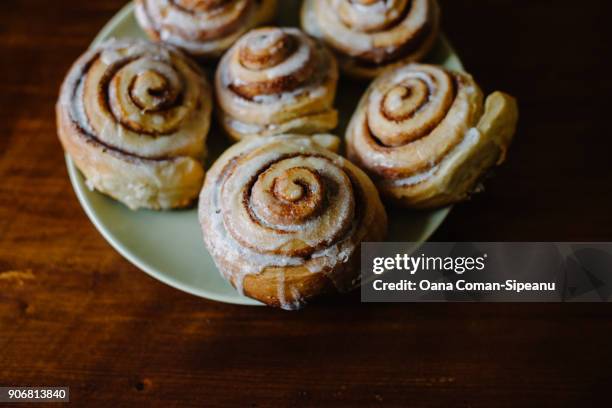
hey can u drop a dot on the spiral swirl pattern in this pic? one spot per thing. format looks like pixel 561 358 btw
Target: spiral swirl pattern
pixel 134 116
pixel 412 124
pixel 203 28
pixel 283 202
pixel 370 35
pixel 274 81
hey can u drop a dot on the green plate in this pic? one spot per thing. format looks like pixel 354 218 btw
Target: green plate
pixel 168 245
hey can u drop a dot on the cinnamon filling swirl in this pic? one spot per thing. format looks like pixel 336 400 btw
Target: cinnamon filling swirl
pixel 406 111
pixel 285 205
pixel 414 117
pixel 131 98
pixel 370 34
pixel 262 52
pixel 426 134
pixel 134 117
pixel 291 206
pixel 202 27
pixel 276 80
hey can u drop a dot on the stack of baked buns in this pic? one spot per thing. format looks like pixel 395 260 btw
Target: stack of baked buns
pixel 282 213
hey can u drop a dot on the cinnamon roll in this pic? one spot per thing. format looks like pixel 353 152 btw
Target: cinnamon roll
pixel 134 117
pixel 203 28
pixel 283 218
pixel 371 35
pixel 427 136
pixel 274 81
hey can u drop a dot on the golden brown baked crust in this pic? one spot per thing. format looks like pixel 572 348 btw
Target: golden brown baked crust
pixel 426 136
pixel 203 28
pixel 275 81
pixel 134 118
pixel 369 36
pixel 283 218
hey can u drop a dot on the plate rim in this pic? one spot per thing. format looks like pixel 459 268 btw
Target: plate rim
pixel 79 186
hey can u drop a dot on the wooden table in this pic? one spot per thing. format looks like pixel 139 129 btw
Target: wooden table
pixel 73 312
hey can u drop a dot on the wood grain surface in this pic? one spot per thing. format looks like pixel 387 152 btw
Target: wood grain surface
pixel 73 312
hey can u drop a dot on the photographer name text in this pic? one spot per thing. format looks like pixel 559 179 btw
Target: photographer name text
pixel 455 265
